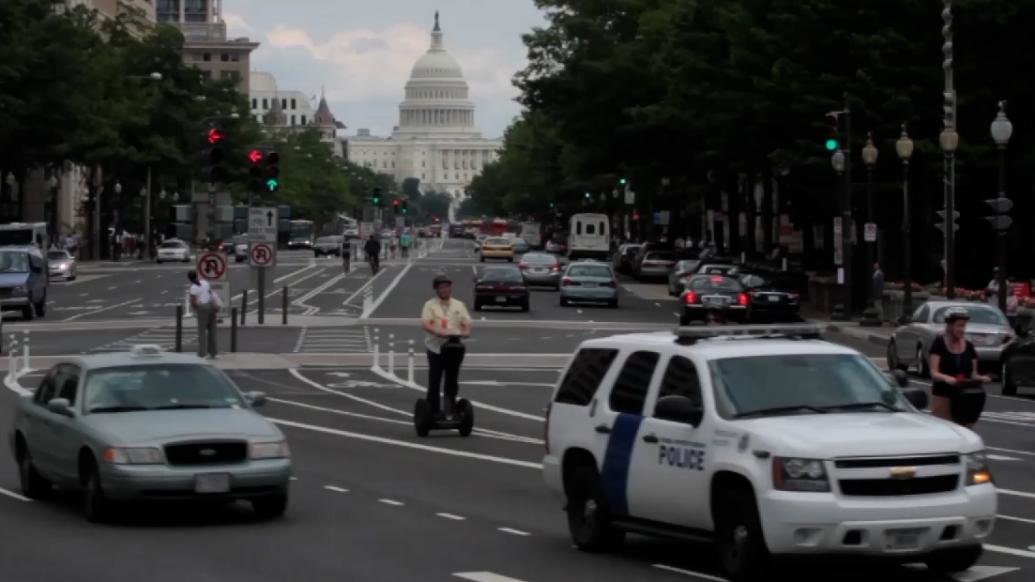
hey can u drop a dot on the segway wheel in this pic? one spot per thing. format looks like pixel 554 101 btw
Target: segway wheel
pixel 466 417
pixel 422 418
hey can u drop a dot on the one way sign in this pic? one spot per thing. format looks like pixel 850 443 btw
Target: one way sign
pixel 262 224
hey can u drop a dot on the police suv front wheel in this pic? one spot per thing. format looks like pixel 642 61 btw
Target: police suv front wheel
pixel 742 549
pixel 954 560
pixel 589 519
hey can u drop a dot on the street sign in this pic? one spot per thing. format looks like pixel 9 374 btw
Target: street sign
pixel 262 254
pixel 1000 222
pixel 262 224
pixel 870 232
pixel 212 266
pixel 365 230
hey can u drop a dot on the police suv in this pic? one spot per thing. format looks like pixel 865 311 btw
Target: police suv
pixel 767 441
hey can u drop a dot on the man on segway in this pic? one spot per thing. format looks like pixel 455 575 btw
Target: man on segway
pixel 445 320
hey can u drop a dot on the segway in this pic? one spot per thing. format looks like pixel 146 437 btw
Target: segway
pixel 461 418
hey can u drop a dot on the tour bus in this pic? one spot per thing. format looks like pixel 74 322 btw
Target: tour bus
pixel 302 234
pixel 589 236
pixel 24 234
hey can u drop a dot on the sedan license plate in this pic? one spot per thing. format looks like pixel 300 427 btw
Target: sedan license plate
pixel 715 301
pixel 903 539
pixel 501 299
pixel 774 299
pixel 212 483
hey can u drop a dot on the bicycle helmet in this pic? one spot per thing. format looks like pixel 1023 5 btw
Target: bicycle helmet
pixel 441 280
pixel 956 313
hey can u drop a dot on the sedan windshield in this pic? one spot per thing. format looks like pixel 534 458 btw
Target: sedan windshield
pixel 58 255
pixel 501 275
pixel 160 387
pixel 540 259
pixel 497 242
pixel 714 283
pixel 172 244
pixel 329 240
pixel 755 386
pixel 14 262
pixel 978 314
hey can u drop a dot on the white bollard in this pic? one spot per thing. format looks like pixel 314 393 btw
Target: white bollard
pixel 377 349
pixel 409 365
pixel 12 356
pixel 391 354
pixel 25 352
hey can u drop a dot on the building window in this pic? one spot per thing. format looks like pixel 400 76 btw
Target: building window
pixel 255 103
pixel 393 164
pixel 265 103
pixel 292 120
pixel 258 119
pixel 225 57
pixel 303 120
pixel 283 103
pixel 423 176
pixel 293 104
pixel 235 58
pixel 206 57
pixel 423 164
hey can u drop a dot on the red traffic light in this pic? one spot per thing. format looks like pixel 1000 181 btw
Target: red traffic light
pixel 395 203
pixel 255 156
pixel 215 136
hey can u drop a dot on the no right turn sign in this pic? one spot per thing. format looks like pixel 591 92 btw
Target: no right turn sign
pixel 262 255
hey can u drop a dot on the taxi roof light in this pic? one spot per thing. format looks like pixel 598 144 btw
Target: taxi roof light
pixel 691 334
pixel 145 350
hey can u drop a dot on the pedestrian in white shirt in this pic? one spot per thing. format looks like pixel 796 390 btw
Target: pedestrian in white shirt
pixel 205 303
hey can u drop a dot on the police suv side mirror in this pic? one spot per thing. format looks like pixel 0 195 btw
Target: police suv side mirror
pixel 917 397
pixel 901 378
pixel 679 409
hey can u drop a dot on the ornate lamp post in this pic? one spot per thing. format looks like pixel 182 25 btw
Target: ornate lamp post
pixel 1001 130
pixel 904 149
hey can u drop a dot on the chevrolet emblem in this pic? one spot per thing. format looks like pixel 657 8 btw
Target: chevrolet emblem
pixel 903 472
pixel 212 452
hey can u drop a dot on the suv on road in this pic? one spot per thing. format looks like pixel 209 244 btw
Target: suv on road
pixel 767 441
pixel 24 278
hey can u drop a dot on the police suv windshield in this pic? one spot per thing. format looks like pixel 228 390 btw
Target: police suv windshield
pixel 756 386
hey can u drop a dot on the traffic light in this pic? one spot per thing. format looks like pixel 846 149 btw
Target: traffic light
pixel 376 198
pixel 623 181
pixel 833 141
pixel 272 173
pixel 255 172
pixel 405 206
pixel 395 205
pixel 213 154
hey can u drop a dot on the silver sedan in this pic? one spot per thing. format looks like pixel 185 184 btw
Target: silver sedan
pixel 148 425
pixel 910 344
pixel 62 264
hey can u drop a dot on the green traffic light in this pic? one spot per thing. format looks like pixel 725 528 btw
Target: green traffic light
pixel 623 181
pixel 272 184
pixel 832 145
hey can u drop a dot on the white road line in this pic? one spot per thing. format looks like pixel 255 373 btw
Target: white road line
pixel 1014 451
pixel 14 495
pixel 281 278
pixel 1013 518
pixel 1002 458
pixel 451 516
pixel 1015 493
pixel 484 577
pixel 656 304
pixel 513 531
pixel 1011 551
pixel 387 291
pixel 293 479
pixel 101 310
pixel 294 372
pixel 336 489
pixel 689 573
pixel 301 339
pixel 341 412
pixel 112 288
pixel 409 445
pixel 312 309
pixel 391 502
pixel 164 292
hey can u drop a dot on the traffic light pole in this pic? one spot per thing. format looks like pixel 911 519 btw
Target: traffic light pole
pixel 847 226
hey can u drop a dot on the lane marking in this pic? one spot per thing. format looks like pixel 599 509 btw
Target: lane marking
pixel 301 339
pixel 101 310
pixel 1014 451
pixel 703 576
pixel 1013 518
pixel 14 495
pixel 335 488
pixel 387 291
pixel 281 278
pixel 484 577
pixel 1001 458
pixel 391 502
pixel 294 372
pixel 1015 493
pixel 513 531
pixel 1011 551
pixel 408 445
pixel 451 516
pixel 311 309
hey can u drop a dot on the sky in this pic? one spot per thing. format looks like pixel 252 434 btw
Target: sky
pixel 361 51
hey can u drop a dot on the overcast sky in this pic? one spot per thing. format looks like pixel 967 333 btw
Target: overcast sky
pixel 362 51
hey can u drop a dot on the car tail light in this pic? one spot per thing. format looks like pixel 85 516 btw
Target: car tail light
pixel 555 268
pixel 569 282
pixel 612 284
pixel 522 265
pixel 691 298
pixel 793 296
pixel 744 299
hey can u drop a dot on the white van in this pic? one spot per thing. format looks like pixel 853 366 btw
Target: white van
pixel 589 236
pixel 530 231
pixel 24 234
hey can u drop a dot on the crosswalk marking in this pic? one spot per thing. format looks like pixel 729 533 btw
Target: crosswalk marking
pixel 162 336
pixel 339 339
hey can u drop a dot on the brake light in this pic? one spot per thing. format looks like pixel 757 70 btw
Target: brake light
pixel 744 299
pixel 691 298
pixel 794 296
pixel 555 268
pixel 522 265
pixel 569 282
pixel 612 284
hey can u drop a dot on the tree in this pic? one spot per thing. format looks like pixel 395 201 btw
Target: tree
pixel 312 181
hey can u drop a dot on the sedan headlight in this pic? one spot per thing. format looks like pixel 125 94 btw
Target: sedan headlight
pixel 978 471
pixel 790 474
pixel 272 450
pixel 62 266
pixel 134 455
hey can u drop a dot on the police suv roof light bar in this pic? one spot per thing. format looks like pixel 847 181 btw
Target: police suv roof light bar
pixel 691 334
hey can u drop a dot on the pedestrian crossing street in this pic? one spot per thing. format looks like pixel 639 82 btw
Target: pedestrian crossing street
pixel 162 336
pixel 318 340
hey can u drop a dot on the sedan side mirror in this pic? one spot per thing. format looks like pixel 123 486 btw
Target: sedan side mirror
pixel 901 378
pixel 917 397
pixel 61 406
pixel 679 409
pixel 255 398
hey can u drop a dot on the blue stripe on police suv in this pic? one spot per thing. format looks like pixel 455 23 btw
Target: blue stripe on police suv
pixel 615 475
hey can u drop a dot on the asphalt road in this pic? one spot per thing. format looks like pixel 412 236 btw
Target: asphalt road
pixel 374 502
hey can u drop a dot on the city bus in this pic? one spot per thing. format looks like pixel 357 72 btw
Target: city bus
pixel 302 234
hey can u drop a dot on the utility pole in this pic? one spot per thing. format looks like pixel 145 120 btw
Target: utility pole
pixel 949 141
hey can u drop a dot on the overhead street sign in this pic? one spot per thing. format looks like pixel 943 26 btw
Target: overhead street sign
pixel 212 266
pixel 262 254
pixel 262 224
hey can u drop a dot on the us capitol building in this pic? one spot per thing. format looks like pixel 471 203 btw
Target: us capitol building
pixel 436 140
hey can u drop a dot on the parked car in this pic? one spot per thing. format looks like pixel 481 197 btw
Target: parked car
pixel 557 247
pixel 642 251
pixel 497 248
pixel 24 279
pixel 148 425
pixel 501 287
pixel 719 294
pixel 623 257
pixel 520 245
pixel 655 264
pixel 173 249
pixel 679 275
pixel 910 344
pixel 62 264
pixel 241 248
pixel 772 296
pixel 350 233
pixel 328 246
pixel 541 269
pixel 589 281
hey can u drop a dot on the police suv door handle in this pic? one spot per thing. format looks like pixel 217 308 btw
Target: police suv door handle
pixel 650 438
pixel 603 429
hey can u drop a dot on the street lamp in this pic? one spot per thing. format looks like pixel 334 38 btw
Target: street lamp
pixel 1002 130
pixel 904 149
pixel 870 153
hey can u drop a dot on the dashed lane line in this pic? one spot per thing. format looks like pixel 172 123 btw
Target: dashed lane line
pixel 513 531
pixel 1015 493
pixel 685 572
pixel 14 495
pixel 391 502
pixel 451 516
pixel 101 310
pixel 335 488
pixel 1017 519
pixel 1012 451
pixel 484 577
pixel 1010 551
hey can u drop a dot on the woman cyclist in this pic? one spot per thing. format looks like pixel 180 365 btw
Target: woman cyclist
pixel 957 394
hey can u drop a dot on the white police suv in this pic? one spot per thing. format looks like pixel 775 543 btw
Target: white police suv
pixel 767 441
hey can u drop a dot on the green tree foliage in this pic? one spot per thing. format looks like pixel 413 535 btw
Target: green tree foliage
pixel 312 181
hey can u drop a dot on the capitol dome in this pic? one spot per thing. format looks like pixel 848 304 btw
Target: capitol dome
pixel 436 95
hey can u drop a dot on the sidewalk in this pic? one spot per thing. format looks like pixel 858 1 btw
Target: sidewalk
pixel 877 335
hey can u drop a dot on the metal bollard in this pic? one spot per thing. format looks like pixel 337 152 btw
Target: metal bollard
pixel 25 351
pixel 244 304
pixel 233 330
pixel 410 365
pixel 284 307
pixel 179 328
pixel 391 354
pixel 377 348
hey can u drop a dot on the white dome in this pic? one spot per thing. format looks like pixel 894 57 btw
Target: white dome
pixel 436 64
